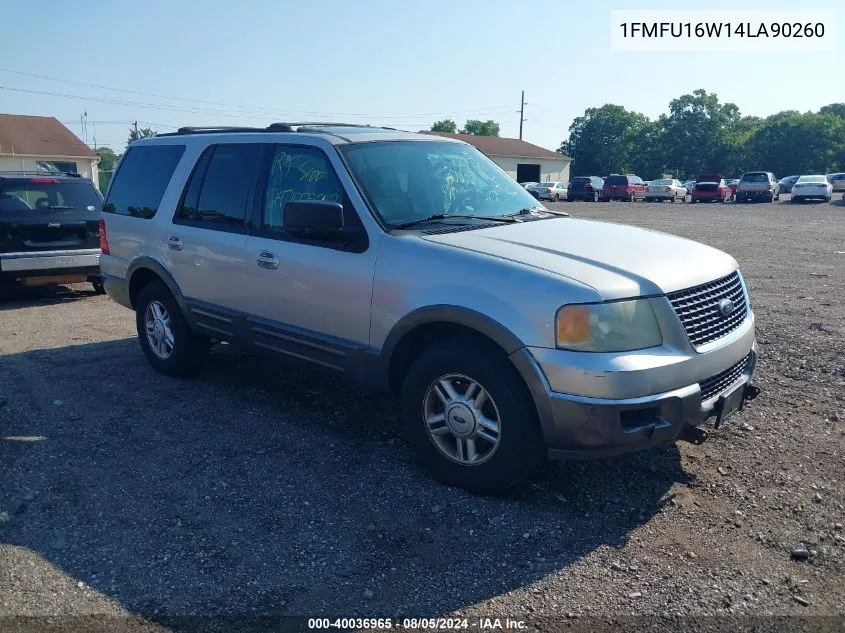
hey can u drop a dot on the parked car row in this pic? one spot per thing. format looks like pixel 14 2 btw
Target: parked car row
pixel 753 186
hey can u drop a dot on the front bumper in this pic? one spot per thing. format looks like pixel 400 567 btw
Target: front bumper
pixel 623 403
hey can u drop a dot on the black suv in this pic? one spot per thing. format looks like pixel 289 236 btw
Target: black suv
pixel 49 229
pixel 585 188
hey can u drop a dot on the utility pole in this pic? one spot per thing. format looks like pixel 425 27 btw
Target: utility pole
pixel 521 113
pixel 136 129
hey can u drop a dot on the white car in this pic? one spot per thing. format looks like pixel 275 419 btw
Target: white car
pixel 551 190
pixel 809 187
pixel 665 189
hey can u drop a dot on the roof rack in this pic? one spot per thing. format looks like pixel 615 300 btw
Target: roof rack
pixel 273 127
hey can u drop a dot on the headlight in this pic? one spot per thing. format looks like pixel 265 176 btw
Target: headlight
pixel 618 326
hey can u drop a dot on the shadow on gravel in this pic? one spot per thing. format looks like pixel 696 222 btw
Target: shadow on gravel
pixel 262 490
pixel 14 297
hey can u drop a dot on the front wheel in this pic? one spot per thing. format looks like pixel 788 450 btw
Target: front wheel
pixel 469 418
pixel 167 341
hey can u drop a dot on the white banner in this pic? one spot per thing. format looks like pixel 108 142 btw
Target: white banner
pixel 717 31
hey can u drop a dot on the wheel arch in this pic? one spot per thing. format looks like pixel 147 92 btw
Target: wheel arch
pixel 433 323
pixel 146 270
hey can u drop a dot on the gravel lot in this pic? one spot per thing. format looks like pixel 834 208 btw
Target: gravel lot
pixel 258 489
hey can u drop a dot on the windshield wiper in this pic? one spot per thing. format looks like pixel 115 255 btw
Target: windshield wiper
pixel 537 210
pixel 57 206
pixel 446 216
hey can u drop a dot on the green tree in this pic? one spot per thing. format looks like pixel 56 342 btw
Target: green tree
pixel 602 141
pixel 445 125
pixel 696 133
pixel 108 158
pixel 481 128
pixel 790 143
pixel 834 108
pixel 139 133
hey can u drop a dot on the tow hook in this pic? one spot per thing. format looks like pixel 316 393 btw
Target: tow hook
pixel 751 392
pixel 694 435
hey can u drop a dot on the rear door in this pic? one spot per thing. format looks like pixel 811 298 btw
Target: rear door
pixel 48 214
pixel 204 247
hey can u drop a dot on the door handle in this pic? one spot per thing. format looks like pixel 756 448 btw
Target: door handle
pixel 175 243
pixel 266 259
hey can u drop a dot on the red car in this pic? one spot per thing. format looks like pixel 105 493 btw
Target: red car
pixel 710 188
pixel 623 187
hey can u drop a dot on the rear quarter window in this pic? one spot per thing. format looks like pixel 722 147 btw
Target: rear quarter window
pixel 141 180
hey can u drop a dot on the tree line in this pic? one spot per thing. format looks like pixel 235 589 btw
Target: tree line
pixel 700 134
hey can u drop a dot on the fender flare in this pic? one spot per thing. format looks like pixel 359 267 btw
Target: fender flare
pixel 148 263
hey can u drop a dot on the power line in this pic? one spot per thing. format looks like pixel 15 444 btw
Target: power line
pixel 257 109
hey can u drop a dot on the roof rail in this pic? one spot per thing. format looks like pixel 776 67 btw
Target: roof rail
pixel 273 127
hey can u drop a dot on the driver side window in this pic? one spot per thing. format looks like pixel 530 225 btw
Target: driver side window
pixel 300 173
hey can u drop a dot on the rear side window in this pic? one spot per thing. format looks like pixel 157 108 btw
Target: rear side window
pixel 219 189
pixel 141 180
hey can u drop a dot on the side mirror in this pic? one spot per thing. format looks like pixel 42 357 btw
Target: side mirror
pixel 318 220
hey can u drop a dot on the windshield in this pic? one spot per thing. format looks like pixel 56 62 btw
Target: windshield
pixel 616 180
pixel 661 182
pixel 411 180
pixel 44 194
pixel 755 178
pixel 804 179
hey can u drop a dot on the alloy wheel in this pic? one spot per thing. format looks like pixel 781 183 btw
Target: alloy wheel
pixel 461 419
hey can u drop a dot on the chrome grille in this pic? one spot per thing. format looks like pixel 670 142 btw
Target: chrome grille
pixel 698 309
pixel 724 379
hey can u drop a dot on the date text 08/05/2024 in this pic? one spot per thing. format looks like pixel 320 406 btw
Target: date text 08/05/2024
pixel 444 624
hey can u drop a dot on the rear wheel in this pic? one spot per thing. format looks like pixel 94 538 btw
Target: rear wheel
pixel 167 341
pixel 469 418
pixel 595 196
pixel 98 286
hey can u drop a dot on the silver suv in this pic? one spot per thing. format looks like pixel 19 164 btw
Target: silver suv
pixel 413 264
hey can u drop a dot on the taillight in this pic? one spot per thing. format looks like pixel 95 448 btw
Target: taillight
pixel 104 241
pixel 548 190
pixel 588 186
pixel 45 181
pixel 667 189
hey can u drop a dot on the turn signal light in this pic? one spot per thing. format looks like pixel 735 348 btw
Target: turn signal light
pixel 573 324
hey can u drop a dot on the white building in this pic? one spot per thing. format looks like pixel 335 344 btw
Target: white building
pixel 522 160
pixel 42 143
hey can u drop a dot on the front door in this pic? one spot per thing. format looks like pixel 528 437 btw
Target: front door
pixel 306 299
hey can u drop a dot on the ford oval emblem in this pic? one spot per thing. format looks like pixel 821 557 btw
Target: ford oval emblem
pixel 726 306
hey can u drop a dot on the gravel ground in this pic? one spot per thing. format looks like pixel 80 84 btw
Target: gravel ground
pixel 260 489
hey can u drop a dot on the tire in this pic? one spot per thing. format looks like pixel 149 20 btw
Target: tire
pixel 795 200
pixel 828 199
pixel 188 349
pixel 98 286
pixel 632 197
pixel 520 448
pixel 647 199
pixel 595 196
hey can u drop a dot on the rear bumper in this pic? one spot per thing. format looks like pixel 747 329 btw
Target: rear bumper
pixel 117 290
pixel 755 195
pixel 50 263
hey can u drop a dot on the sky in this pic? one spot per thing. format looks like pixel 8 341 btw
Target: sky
pixel 402 63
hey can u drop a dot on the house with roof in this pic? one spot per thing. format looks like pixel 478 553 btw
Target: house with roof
pixel 524 161
pixel 42 143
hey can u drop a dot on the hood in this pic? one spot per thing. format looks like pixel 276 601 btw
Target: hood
pixel 617 260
